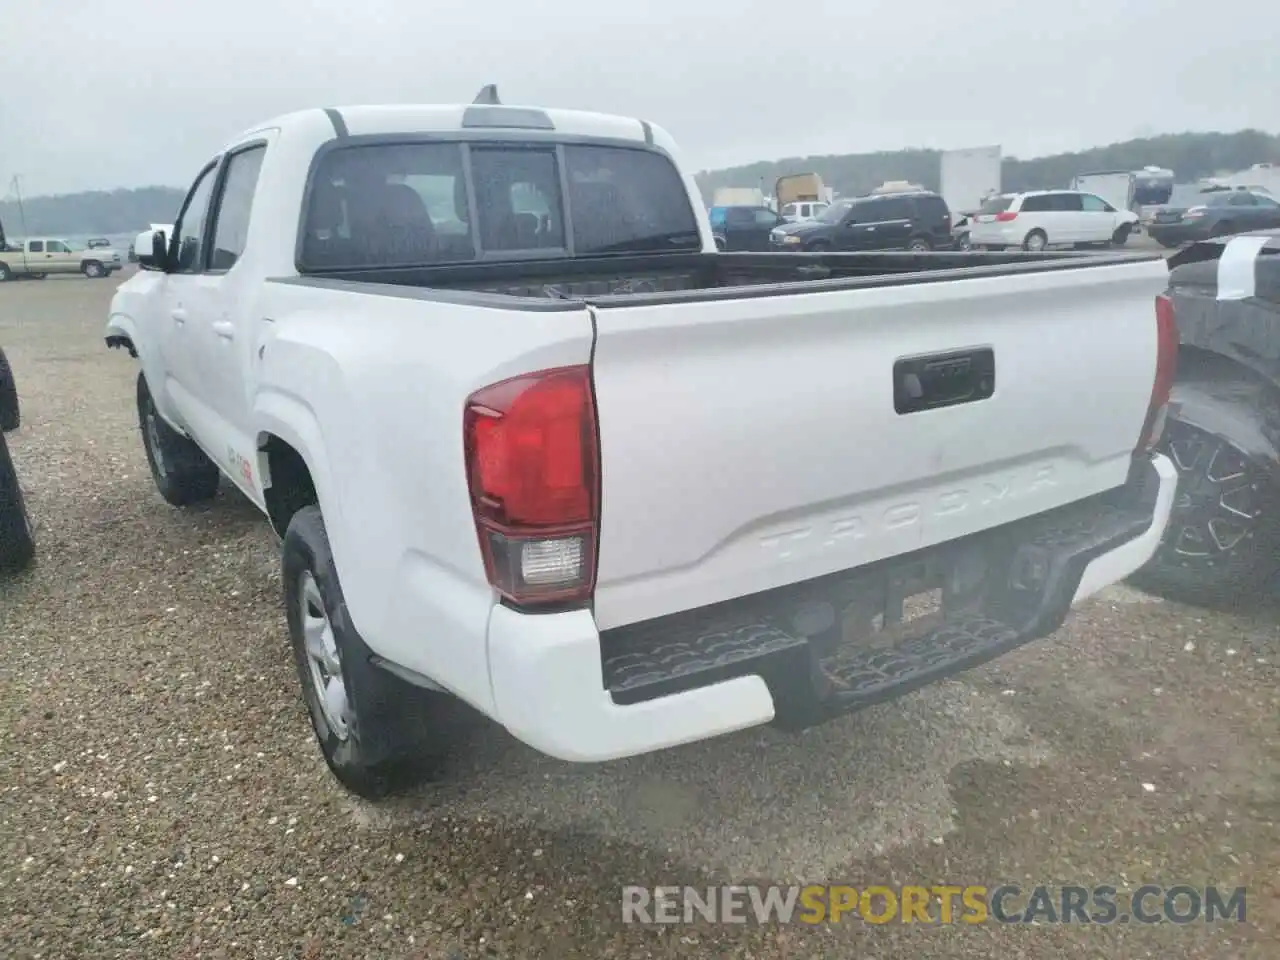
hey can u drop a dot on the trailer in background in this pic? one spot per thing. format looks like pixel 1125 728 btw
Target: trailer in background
pixel 1113 186
pixel 738 197
pixel 968 177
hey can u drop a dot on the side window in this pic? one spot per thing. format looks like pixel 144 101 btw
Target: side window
pixel 35 246
pixel 864 211
pixel 1067 202
pixel 517 198
pixel 766 217
pixel 717 216
pixel 231 218
pixel 738 217
pixel 1266 202
pixel 1242 200
pixel 57 246
pixel 894 208
pixel 1037 204
pixel 933 209
pixel 792 210
pixel 188 232
pixel 1092 204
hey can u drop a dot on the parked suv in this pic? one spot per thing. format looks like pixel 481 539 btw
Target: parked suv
pixel 912 221
pixel 743 228
pixel 1043 218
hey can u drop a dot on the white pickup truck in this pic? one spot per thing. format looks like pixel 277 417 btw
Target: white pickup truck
pixel 531 442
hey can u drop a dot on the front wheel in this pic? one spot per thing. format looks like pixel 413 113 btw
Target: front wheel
pixel 371 725
pixel 180 469
pixel 93 269
pixel 1167 243
pixel 1223 538
pixel 919 245
pixel 1121 236
pixel 1035 241
pixel 5 273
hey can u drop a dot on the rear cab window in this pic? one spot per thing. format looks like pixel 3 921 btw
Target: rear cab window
pixel 390 204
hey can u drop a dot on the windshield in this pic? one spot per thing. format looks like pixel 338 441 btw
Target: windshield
pixel 836 212
pixel 409 204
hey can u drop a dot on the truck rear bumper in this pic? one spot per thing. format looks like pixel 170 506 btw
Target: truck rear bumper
pixel 565 689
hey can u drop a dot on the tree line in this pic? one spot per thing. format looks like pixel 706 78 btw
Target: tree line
pixel 1189 155
pixel 96 212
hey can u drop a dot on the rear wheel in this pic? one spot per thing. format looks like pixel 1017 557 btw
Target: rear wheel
pixel 1167 243
pixel 1223 538
pixel 1035 241
pixel 17 546
pixel 1222 229
pixel 372 727
pixel 180 469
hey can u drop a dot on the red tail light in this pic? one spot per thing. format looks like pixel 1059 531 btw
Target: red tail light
pixel 1004 216
pixel 1166 370
pixel 533 467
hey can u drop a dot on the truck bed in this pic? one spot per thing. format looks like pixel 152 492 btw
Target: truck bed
pixel 673 278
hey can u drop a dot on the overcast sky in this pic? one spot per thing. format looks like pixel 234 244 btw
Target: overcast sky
pixel 134 92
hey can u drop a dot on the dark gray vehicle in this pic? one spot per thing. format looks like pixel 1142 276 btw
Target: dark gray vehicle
pixel 16 544
pixel 1223 435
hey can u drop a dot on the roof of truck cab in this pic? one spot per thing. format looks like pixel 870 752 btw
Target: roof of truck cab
pixel 375 119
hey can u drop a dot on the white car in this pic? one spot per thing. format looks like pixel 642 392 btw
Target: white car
pixel 1045 218
pixel 803 210
pixel 612 488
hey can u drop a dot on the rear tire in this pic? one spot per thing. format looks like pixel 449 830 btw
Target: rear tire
pixel 1121 236
pixel 1223 229
pixel 180 469
pixel 371 726
pixel 17 545
pixel 1223 539
pixel 1035 241
pixel 10 414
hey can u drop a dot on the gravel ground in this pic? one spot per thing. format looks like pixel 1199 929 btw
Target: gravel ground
pixel 161 794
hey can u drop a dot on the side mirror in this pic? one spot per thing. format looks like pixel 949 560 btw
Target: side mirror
pixel 152 248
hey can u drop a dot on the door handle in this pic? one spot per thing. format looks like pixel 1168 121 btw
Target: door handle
pixel 179 316
pixel 225 329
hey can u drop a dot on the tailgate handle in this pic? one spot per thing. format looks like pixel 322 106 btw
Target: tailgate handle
pixel 943 379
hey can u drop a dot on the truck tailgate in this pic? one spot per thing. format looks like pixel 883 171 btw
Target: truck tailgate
pixel 750 442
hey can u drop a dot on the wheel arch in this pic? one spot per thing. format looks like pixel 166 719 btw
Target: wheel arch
pixel 1228 399
pixel 292 462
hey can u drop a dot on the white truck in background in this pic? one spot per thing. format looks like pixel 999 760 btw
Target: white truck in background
pixel 612 488
pixel 1114 186
pixel 967 178
pixel 738 197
